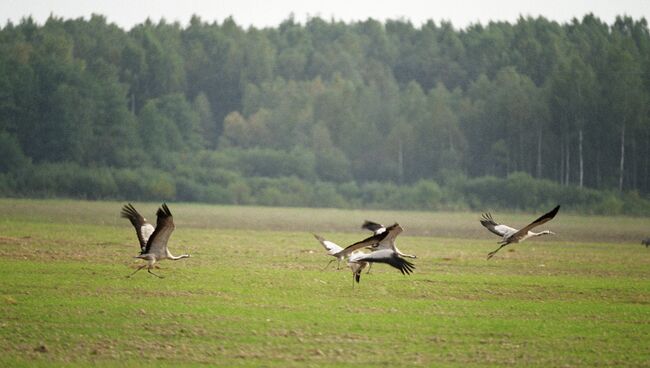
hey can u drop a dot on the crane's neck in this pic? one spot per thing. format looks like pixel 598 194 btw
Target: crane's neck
pixel 403 254
pixel 173 258
pixel 545 232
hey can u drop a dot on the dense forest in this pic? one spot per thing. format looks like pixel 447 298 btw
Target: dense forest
pixel 327 113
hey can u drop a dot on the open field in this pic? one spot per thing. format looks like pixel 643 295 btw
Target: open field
pixel 253 293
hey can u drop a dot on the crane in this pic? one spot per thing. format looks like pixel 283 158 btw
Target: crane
pixel 333 248
pixel 511 235
pixel 153 244
pixel 383 251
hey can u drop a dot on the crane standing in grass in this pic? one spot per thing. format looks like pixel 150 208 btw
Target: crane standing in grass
pixel 511 235
pixel 153 242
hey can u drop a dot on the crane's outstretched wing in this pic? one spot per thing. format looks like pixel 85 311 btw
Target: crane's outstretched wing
pixel 330 247
pixel 541 220
pixel 389 257
pixel 494 227
pixel 164 227
pixel 142 228
pixel 373 226
pixel 367 242
pixel 374 241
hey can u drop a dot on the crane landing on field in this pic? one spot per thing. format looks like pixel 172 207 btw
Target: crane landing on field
pixel 153 241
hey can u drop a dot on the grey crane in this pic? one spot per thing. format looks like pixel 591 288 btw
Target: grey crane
pixel 511 235
pixel 153 241
pixel 383 251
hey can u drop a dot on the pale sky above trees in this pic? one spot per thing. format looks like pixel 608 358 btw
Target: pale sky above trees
pixel 461 13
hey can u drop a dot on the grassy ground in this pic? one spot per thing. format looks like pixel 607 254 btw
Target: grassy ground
pixel 253 293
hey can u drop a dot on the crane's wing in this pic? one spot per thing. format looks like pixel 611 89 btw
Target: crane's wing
pixel 389 257
pixel 382 240
pixel 373 226
pixel 498 229
pixel 142 228
pixel 164 227
pixel 367 242
pixel 330 247
pixel 541 220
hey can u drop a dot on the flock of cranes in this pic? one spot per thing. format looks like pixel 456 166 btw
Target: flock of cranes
pixel 378 248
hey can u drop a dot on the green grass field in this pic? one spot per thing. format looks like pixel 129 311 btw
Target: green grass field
pixel 253 292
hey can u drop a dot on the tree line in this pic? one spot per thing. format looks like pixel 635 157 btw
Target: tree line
pixel 328 113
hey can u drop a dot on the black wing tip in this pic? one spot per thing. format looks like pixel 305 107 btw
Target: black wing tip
pixel 405 267
pixel 357 277
pixel 487 217
pixel 164 211
pixel 128 210
pixel 318 237
pixel 408 267
pixel 552 212
pixel 370 225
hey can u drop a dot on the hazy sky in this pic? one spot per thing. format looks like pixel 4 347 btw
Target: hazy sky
pixel 260 13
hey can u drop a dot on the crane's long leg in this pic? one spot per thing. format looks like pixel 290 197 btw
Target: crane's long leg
pixel 330 262
pixel 158 276
pixel 491 254
pixel 139 268
pixel 369 267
